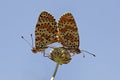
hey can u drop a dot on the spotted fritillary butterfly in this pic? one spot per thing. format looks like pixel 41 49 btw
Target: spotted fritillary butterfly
pixel 68 33
pixel 45 32
pixel 48 31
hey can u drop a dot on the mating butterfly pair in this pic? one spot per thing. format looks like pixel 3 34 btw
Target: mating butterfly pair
pixel 48 31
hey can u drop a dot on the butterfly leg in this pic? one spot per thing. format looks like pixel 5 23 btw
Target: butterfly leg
pixel 44 54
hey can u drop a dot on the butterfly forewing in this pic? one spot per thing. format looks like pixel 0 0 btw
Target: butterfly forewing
pixel 45 32
pixel 68 33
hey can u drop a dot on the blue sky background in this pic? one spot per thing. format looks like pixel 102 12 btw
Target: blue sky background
pixel 98 22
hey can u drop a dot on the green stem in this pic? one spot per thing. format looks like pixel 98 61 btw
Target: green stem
pixel 55 71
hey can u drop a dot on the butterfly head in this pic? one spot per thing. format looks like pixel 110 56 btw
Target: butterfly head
pixel 38 49
pixel 34 50
pixel 78 51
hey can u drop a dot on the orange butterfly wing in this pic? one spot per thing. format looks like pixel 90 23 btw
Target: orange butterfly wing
pixel 68 33
pixel 45 32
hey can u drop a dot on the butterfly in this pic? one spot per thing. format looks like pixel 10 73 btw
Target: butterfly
pixel 48 31
pixel 45 32
pixel 68 33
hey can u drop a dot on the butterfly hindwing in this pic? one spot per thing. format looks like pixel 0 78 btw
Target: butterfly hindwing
pixel 68 33
pixel 45 31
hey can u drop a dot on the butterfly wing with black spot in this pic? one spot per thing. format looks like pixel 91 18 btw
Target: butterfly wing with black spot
pixel 68 33
pixel 45 32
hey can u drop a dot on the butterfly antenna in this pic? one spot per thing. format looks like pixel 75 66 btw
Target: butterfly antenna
pixel 31 39
pixel 26 41
pixel 88 53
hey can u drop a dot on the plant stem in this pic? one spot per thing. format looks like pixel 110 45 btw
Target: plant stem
pixel 55 71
